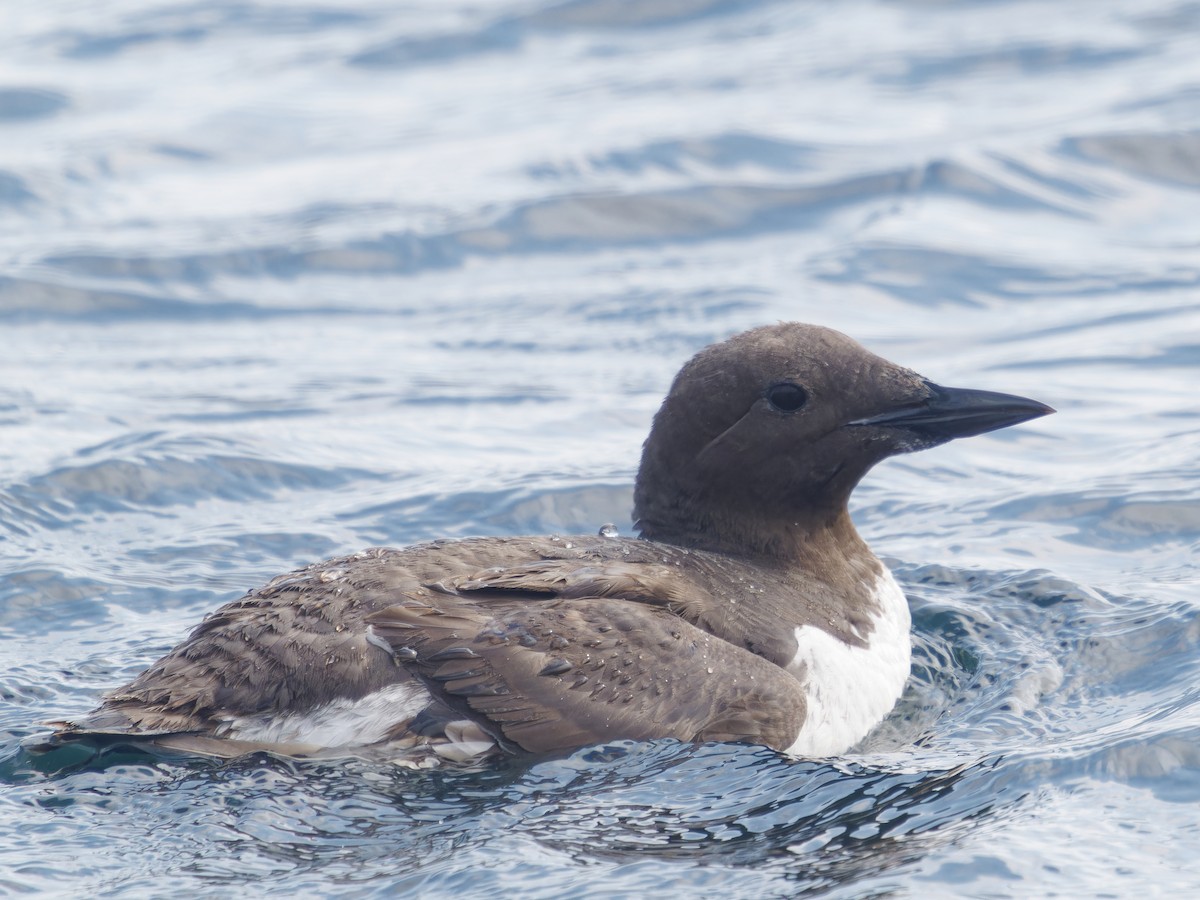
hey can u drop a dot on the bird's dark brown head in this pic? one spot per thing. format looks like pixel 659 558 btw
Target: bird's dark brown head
pixel 762 437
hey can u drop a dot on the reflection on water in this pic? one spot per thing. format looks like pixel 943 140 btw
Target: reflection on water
pixel 281 282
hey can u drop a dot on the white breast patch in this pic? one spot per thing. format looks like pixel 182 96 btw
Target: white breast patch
pixel 850 689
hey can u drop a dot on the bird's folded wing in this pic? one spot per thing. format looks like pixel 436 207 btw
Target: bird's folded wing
pixel 572 579
pixel 563 673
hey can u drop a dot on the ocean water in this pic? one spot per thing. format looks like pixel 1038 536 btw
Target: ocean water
pixel 282 280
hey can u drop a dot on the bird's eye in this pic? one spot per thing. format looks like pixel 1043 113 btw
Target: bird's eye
pixel 786 397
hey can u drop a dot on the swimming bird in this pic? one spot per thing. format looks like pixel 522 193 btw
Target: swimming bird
pixel 749 609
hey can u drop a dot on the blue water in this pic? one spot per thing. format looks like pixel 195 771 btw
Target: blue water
pixel 280 281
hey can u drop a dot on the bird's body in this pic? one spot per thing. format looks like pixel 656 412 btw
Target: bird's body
pixel 751 610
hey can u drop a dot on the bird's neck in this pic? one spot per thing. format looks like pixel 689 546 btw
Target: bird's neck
pixel 816 537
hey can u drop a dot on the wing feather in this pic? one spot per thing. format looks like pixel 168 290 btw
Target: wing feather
pixel 560 674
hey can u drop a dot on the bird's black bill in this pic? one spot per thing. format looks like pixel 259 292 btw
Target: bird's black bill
pixel 951 413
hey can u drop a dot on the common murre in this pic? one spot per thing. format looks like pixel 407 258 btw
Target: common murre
pixel 750 609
